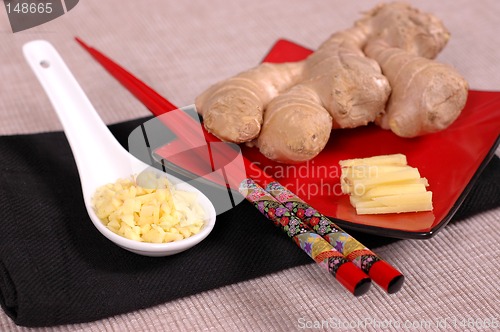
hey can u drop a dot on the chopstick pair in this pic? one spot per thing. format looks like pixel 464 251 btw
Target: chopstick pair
pixel 382 273
pixel 356 280
pixel 293 215
pixel 322 252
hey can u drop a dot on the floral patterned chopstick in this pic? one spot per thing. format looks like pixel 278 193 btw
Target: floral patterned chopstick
pixel 381 272
pixel 322 252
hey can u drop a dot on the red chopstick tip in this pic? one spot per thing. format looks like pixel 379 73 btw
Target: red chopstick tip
pixel 386 276
pixel 82 43
pixel 355 280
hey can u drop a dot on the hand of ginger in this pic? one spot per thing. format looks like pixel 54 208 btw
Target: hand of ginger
pixel 380 70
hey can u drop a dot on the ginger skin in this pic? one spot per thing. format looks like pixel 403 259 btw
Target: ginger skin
pixel 233 109
pixel 380 70
pixel 300 108
pixel 340 88
pixel 337 86
pixel 427 96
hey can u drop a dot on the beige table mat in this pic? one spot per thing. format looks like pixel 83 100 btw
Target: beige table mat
pixel 179 48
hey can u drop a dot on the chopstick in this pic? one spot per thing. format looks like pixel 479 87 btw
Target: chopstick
pixel 322 252
pixel 389 278
pixel 382 273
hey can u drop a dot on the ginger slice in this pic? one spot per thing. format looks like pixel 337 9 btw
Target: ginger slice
pixel 396 189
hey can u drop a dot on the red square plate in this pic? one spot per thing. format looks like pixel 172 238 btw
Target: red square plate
pixel 451 160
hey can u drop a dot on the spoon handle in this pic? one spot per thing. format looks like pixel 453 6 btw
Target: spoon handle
pixel 95 149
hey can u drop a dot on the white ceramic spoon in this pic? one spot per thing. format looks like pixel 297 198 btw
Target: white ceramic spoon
pixel 99 157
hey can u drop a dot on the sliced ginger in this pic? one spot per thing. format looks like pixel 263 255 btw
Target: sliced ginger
pixel 392 160
pixel 384 184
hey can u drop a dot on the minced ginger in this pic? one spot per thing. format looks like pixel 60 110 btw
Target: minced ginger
pixel 156 214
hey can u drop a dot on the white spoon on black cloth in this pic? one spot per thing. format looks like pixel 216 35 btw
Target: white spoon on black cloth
pixel 99 157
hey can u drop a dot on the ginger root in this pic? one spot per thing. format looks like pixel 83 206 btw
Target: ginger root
pixel 427 96
pixel 380 70
pixel 340 87
pixel 233 109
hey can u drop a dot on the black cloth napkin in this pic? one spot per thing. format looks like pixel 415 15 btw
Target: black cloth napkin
pixel 56 268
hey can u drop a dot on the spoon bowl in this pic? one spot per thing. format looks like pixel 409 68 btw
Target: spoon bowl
pixel 99 157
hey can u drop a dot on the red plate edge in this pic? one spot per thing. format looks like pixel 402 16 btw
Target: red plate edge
pixel 452 160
